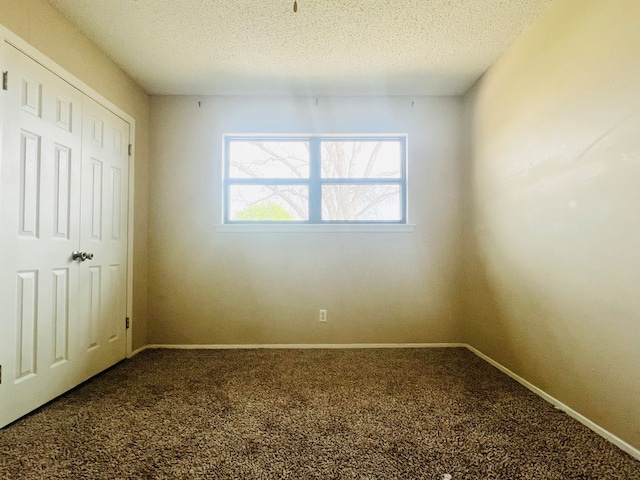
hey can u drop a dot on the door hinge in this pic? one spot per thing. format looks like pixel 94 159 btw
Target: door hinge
pixel 130 149
pixel 126 322
pixel 5 80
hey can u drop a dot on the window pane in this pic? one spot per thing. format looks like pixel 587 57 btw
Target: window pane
pixel 361 202
pixel 279 203
pixel 361 159
pixel 268 159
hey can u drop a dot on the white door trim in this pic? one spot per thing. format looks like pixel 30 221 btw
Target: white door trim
pixel 7 36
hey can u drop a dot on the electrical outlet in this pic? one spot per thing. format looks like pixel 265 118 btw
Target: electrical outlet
pixel 323 315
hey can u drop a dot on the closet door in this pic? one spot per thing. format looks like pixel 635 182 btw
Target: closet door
pixel 40 174
pixel 105 160
pixel 63 237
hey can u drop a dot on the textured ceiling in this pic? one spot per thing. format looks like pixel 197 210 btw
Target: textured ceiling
pixel 329 47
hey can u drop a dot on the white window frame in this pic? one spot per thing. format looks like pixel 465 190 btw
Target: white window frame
pixel 314 183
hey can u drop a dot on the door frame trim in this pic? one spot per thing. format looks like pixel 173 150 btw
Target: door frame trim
pixel 8 37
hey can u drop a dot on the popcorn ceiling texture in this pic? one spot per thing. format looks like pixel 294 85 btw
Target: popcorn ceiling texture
pixel 329 47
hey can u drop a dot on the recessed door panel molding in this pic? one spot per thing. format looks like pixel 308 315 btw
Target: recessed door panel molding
pixel 31 98
pixel 29 184
pixel 115 302
pixel 96 199
pixel 58 188
pixel 116 206
pixel 95 297
pixel 26 324
pixel 118 145
pixel 64 111
pixel 62 192
pixel 98 131
pixel 60 315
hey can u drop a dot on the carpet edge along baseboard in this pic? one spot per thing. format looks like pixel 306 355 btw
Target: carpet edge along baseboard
pixel 624 446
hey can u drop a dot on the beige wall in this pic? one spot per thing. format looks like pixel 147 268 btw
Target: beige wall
pixel 209 287
pixel 543 278
pixel 552 281
pixel 37 22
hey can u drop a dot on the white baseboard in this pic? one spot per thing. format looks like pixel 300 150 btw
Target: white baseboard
pixel 304 346
pixel 137 351
pixel 634 452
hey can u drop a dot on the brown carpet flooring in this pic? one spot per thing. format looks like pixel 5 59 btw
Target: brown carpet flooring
pixel 298 414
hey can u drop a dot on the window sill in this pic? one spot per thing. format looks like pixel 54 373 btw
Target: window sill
pixel 306 228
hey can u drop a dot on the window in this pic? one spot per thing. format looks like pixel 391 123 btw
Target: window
pixel 315 179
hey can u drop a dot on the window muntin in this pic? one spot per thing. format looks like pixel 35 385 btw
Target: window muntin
pixel 315 179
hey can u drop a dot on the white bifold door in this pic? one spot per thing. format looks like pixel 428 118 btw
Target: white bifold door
pixel 63 237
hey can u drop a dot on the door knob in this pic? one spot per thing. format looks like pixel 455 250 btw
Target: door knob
pixel 75 255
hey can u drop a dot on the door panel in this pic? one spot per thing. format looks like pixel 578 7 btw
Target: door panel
pixel 39 228
pixel 26 325
pixel 104 220
pixel 60 312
